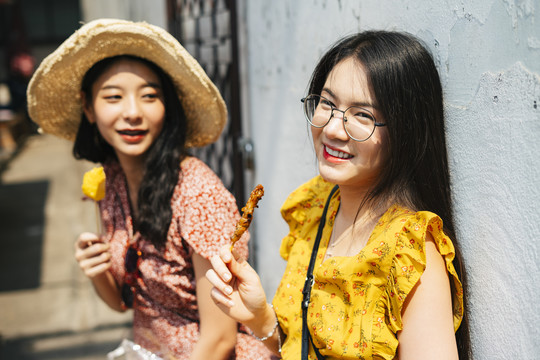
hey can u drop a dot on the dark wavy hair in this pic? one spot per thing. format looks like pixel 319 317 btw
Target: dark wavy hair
pixel 163 158
pixel 404 79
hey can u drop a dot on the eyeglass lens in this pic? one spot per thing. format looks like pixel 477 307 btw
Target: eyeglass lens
pixel 359 123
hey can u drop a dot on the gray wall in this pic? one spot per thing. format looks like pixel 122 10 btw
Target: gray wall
pixel 153 12
pixel 488 54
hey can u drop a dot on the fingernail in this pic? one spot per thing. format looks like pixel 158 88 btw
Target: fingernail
pixel 228 290
pixel 227 277
pixel 231 303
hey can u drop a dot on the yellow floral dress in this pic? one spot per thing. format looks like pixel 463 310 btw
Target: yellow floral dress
pixel 356 301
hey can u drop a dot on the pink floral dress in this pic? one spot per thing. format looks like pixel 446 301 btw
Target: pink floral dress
pixel 166 317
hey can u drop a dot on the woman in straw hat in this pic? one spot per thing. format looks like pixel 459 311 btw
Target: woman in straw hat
pixel 372 270
pixel 131 98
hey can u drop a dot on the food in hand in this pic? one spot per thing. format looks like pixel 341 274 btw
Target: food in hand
pixel 247 214
pixel 93 184
pixel 93 187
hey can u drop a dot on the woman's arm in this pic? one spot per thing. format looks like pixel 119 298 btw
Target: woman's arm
pixel 238 292
pixel 428 329
pixel 94 259
pixel 217 331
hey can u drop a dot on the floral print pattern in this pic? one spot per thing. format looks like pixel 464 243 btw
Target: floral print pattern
pixel 166 317
pixel 356 301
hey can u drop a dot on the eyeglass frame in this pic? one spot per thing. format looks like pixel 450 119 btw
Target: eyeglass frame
pixel 343 118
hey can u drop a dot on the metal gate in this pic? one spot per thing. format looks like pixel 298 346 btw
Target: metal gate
pixel 208 31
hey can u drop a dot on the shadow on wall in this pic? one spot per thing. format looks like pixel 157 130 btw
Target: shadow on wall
pixel 22 222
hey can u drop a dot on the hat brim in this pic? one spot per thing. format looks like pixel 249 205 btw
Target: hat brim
pixel 54 100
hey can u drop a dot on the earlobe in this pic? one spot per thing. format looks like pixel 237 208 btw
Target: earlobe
pixel 87 108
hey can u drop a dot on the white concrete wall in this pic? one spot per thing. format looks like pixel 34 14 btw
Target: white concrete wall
pixel 489 61
pixel 151 11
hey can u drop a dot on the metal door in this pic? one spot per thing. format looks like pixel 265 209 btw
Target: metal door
pixel 208 31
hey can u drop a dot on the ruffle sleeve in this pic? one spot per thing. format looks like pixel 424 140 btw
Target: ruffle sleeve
pixel 303 207
pixel 409 264
pixel 206 211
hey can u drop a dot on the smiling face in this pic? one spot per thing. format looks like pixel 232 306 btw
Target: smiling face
pixel 128 108
pixel 341 160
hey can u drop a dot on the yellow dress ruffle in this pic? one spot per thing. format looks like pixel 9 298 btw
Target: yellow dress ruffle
pixel 356 301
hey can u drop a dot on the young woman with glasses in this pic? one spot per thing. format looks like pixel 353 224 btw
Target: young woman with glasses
pixel 373 269
pixel 133 99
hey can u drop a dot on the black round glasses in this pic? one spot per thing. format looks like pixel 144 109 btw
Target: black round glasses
pixel 359 123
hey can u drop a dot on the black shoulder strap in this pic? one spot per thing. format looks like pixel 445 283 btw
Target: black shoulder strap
pixel 306 292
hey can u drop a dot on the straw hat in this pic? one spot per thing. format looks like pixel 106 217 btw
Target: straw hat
pixel 54 100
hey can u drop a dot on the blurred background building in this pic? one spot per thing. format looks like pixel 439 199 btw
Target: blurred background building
pixel 261 55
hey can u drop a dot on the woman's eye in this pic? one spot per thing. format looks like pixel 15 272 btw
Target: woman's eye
pixel 361 115
pixel 365 115
pixel 325 104
pixel 112 97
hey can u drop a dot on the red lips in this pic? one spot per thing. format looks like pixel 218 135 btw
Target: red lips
pixel 132 136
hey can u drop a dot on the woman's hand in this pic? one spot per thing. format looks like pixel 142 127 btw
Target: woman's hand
pixel 237 290
pixel 92 254
pixel 94 258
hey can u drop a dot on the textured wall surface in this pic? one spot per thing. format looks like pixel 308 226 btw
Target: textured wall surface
pixel 488 54
pixel 153 12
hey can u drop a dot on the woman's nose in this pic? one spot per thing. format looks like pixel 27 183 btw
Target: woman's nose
pixel 335 127
pixel 132 110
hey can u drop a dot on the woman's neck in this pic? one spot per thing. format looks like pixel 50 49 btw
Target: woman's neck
pixel 354 222
pixel 351 200
pixel 134 171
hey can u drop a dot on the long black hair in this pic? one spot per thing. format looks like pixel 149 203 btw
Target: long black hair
pixel 404 79
pixel 163 158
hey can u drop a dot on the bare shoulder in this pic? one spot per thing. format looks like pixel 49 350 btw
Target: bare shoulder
pixel 428 331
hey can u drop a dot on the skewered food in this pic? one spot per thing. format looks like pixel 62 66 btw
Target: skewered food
pixel 247 214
